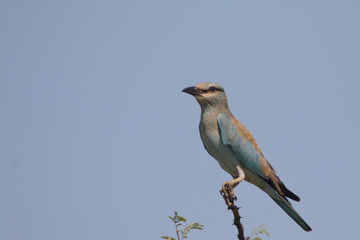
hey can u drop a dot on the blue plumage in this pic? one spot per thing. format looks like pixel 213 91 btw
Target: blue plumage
pixel 235 149
pixel 244 151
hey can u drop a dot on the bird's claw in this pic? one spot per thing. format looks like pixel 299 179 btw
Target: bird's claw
pixel 227 191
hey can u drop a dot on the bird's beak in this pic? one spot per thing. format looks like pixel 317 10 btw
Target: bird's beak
pixel 192 91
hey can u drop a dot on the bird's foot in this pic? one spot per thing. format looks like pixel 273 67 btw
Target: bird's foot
pixel 227 191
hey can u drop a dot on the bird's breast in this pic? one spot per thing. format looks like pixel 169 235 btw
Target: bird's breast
pixel 211 139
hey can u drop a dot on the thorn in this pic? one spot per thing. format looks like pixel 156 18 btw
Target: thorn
pixel 234 207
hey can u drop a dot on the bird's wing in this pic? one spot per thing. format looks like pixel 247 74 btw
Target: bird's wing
pixel 249 156
pixel 235 135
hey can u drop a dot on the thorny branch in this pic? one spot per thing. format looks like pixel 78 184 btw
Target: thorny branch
pixel 229 198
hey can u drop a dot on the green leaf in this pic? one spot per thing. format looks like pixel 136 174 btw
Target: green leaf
pixel 178 221
pixel 258 231
pixel 256 238
pixel 166 237
pixel 182 219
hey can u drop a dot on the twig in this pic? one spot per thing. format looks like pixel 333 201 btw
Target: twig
pixel 229 198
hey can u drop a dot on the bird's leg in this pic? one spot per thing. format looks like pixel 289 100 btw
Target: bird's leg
pixel 227 189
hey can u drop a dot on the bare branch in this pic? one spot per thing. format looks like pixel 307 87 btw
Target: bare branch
pixel 229 198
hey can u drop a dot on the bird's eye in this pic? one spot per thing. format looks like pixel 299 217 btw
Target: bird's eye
pixel 212 89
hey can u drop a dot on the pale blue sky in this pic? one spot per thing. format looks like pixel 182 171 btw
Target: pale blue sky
pixel 98 142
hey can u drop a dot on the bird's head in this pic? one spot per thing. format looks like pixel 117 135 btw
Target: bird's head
pixel 208 94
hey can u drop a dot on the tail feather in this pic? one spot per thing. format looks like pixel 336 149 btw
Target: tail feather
pixel 286 206
pixel 289 193
pixel 282 186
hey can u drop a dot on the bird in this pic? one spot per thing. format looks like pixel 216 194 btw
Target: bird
pixel 235 149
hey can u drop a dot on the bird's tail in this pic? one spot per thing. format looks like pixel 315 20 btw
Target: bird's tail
pixel 286 206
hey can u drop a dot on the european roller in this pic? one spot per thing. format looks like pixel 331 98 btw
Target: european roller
pixel 233 146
